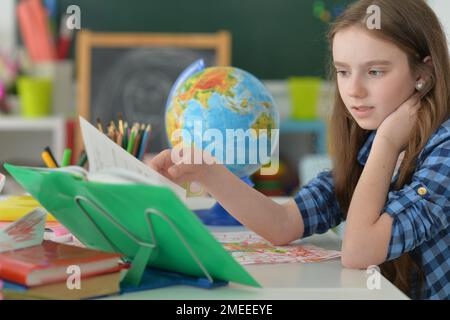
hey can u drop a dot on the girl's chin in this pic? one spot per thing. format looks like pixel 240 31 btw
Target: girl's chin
pixel 368 124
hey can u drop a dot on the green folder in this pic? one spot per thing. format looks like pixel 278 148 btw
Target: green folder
pixel 148 224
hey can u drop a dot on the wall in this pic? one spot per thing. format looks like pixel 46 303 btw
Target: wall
pixel 442 9
pixel 7 25
pixel 272 39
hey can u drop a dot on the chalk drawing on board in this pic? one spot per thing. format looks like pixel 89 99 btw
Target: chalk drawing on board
pixel 137 82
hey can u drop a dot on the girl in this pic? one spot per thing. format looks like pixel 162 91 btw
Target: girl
pixel 392 106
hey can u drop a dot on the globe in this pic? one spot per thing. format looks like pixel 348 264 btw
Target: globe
pixel 226 111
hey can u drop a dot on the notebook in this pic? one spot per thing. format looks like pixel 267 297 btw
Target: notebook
pixel 98 286
pixel 48 263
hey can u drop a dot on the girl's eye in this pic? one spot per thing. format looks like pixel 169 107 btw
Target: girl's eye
pixel 376 73
pixel 342 73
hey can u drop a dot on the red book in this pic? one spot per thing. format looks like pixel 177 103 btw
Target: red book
pixel 25 19
pixel 42 30
pixel 33 23
pixel 48 263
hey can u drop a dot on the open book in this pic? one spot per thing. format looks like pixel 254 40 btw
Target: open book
pixel 108 162
pixel 114 175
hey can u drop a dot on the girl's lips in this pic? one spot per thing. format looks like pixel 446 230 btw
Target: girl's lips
pixel 362 111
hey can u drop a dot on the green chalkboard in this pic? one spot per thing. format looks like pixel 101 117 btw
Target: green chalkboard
pixel 273 39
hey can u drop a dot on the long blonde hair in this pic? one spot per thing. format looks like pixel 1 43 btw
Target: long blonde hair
pixel 413 27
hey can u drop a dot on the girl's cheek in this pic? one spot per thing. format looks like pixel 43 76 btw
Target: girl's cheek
pixel 383 92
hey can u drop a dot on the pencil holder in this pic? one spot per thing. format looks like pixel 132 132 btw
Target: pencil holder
pixel 35 96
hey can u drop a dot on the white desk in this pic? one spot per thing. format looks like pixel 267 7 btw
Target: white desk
pixel 323 280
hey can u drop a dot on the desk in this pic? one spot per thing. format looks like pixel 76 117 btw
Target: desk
pixel 323 280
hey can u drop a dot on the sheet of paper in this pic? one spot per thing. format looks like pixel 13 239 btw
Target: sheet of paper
pixel 249 248
pixel 2 182
pixel 25 232
pixel 103 154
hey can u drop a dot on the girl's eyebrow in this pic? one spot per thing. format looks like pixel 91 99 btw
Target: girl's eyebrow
pixel 368 63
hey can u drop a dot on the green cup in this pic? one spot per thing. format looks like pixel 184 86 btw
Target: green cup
pixel 35 96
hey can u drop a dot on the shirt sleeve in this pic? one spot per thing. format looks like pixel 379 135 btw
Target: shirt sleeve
pixel 318 205
pixel 420 210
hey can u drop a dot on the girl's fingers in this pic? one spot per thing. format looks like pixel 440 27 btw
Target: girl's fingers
pixel 162 161
pixel 183 172
pixel 410 106
pixel 178 172
pixel 411 101
pixel 174 171
pixel 415 103
pixel 179 169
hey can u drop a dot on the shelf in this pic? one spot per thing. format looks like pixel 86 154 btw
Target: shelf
pixel 16 123
pixel 25 138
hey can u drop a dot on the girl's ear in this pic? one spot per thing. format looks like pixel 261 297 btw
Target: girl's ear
pixel 429 64
pixel 424 79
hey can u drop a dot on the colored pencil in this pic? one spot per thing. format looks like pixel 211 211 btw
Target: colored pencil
pixel 48 160
pixel 66 157
pixel 51 155
pixel 144 141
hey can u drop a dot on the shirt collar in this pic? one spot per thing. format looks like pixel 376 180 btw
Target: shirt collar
pixel 363 154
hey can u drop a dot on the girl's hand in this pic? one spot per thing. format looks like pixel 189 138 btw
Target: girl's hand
pixel 396 128
pixel 184 169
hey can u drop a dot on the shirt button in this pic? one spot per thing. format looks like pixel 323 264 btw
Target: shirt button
pixel 422 191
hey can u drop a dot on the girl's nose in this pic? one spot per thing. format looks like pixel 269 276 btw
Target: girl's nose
pixel 356 88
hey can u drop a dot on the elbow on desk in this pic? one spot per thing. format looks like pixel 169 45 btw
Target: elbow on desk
pixel 356 260
pixel 351 256
pixel 352 263
pixel 280 242
pixel 282 239
pixel 361 253
pixel 287 228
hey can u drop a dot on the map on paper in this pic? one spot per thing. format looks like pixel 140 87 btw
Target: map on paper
pixel 249 248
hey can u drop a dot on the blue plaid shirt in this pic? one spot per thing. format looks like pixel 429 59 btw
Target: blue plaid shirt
pixel 420 212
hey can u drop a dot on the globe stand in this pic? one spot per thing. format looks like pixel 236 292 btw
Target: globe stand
pixel 217 215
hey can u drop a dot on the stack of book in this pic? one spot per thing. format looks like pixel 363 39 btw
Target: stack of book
pixel 54 270
pixel 54 231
